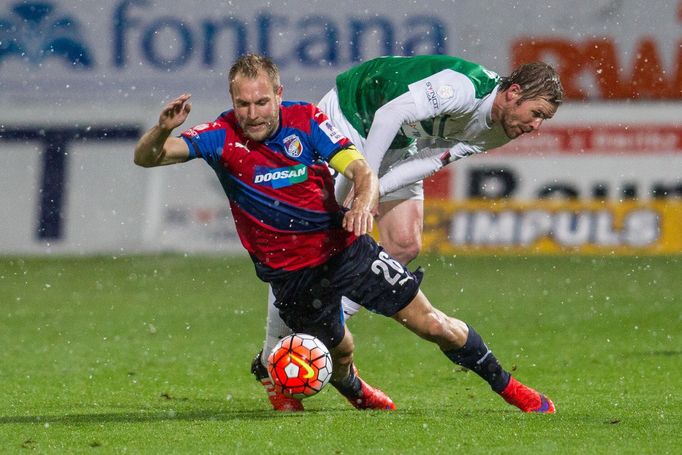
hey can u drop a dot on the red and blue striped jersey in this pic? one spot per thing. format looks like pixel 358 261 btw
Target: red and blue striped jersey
pixel 280 190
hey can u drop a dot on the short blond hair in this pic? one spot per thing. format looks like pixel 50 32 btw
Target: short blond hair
pixel 250 65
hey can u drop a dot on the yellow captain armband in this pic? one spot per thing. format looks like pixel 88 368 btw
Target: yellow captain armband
pixel 344 157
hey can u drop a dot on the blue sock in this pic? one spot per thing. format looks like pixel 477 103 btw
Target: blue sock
pixel 349 386
pixel 476 356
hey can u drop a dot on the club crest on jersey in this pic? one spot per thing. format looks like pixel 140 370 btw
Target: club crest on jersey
pixel 446 91
pixel 293 146
pixel 280 177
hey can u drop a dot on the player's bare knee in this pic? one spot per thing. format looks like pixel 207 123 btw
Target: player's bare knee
pixel 458 332
pixel 446 332
pixel 408 253
pixel 404 249
pixel 434 327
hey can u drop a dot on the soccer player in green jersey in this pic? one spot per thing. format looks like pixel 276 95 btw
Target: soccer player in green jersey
pixel 410 117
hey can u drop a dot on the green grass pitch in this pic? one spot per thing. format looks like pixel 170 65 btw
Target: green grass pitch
pixel 151 354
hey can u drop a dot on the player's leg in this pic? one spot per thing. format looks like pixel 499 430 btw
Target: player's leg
pixel 401 212
pixel 346 380
pixel 400 224
pixel 342 358
pixel 275 329
pixel 388 288
pixel 329 104
pixel 451 335
pixel 464 346
pixel 349 307
pixel 309 302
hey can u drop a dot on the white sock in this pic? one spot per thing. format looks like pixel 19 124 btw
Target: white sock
pixel 275 328
pixel 349 307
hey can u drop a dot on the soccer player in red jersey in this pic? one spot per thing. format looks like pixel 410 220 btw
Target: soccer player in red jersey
pixel 272 158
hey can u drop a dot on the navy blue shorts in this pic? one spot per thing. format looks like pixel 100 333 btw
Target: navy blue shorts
pixel 309 300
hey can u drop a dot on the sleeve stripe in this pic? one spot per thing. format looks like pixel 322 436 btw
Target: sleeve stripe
pixel 193 147
pixel 344 157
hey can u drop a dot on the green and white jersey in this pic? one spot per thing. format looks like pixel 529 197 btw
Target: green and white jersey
pixel 452 99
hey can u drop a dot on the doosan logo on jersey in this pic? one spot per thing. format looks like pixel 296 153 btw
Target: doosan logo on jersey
pixel 276 175
pixel 281 177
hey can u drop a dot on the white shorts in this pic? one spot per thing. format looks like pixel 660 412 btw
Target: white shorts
pixel 329 104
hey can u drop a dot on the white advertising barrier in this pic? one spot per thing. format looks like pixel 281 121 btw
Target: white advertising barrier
pixel 109 205
pixel 79 81
pixel 187 210
pixel 617 168
pixel 56 52
pixel 82 194
pixel 601 180
pixel 608 151
pixel 96 206
pixel 69 186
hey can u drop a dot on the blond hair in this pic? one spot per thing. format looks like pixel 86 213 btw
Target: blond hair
pixel 250 65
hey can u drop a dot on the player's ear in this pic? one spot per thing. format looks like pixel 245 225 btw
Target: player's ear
pixel 280 90
pixel 513 93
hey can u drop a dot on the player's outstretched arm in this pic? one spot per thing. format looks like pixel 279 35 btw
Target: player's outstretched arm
pixel 156 147
pixel 425 163
pixel 359 218
pixel 385 126
pixel 418 167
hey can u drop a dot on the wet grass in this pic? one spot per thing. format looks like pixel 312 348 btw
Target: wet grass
pixel 151 354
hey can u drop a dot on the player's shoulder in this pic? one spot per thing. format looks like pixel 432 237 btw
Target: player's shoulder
pixel 226 119
pixel 222 125
pixel 299 114
pixel 481 78
pixel 298 108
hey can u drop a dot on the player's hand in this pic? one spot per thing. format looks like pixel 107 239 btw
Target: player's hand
pixel 358 221
pixel 175 113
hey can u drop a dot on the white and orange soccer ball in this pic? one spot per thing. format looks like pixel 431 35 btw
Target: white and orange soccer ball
pixel 300 365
